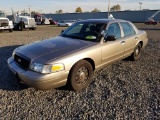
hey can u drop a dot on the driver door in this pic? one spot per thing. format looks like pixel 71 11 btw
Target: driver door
pixel 113 50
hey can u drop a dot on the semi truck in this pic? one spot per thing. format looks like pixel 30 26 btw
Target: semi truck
pixel 5 23
pixel 23 20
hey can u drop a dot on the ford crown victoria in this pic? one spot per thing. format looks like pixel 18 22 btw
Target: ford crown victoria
pixel 72 57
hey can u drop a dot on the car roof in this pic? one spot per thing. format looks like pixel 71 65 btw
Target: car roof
pixel 104 20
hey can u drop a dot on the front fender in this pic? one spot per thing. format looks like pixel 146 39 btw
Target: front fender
pixel 11 24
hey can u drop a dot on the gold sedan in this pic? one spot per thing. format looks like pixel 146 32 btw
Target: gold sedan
pixel 72 57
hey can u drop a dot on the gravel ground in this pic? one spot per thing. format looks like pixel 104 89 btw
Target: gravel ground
pixel 123 90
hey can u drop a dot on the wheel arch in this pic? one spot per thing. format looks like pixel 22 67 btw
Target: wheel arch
pixel 141 42
pixel 91 61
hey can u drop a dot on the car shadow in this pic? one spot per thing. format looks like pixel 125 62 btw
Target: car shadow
pixel 7 79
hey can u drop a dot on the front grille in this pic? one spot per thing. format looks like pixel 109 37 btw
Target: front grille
pixel 4 23
pixel 32 22
pixel 22 61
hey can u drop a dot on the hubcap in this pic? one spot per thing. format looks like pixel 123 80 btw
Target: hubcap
pixel 137 51
pixel 82 75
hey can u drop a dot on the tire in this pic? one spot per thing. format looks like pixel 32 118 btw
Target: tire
pixel 80 75
pixel 33 28
pixel 137 51
pixel 20 27
pixel 10 30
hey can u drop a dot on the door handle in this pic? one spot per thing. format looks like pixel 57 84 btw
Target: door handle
pixel 122 42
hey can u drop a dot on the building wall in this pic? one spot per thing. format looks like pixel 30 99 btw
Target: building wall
pixel 133 16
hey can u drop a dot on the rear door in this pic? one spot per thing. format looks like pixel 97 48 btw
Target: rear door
pixel 130 37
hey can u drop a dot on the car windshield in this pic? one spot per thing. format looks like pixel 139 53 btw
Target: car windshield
pixel 2 15
pixel 88 31
pixel 25 14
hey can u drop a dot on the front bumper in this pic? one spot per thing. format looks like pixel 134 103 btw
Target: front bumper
pixel 30 26
pixel 6 28
pixel 38 80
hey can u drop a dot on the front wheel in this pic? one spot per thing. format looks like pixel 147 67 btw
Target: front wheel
pixel 20 27
pixel 33 28
pixel 137 51
pixel 80 75
pixel 10 30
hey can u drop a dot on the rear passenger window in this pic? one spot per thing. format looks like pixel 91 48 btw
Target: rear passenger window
pixel 127 29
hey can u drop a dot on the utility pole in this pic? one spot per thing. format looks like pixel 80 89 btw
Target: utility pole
pixel 140 4
pixel 108 7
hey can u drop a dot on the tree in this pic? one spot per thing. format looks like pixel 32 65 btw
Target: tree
pixel 95 10
pixel 115 8
pixel 78 9
pixel 59 11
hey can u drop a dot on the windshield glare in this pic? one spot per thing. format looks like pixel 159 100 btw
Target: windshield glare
pixel 88 31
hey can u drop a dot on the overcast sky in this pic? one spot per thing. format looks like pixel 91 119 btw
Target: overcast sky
pixel 51 6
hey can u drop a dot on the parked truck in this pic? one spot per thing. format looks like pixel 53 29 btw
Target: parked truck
pixel 23 20
pixel 41 19
pixel 151 20
pixel 5 23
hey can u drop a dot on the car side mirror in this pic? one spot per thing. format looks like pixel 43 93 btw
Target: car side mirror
pixel 104 33
pixel 62 31
pixel 110 38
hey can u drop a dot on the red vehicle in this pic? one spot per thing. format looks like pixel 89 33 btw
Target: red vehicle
pixel 42 20
pixel 151 21
pixel 53 22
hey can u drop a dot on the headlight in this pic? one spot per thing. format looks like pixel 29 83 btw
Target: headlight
pixel 46 68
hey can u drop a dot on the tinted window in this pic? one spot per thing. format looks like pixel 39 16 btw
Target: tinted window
pixel 127 29
pixel 114 29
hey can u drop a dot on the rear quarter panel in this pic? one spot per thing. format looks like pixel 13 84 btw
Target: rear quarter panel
pixel 143 37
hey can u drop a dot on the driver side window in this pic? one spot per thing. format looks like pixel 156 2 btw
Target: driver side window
pixel 114 30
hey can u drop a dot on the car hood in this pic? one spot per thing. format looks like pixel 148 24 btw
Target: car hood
pixel 26 17
pixel 47 50
pixel 3 18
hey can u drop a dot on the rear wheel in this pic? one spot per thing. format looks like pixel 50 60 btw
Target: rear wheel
pixel 80 75
pixel 137 51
